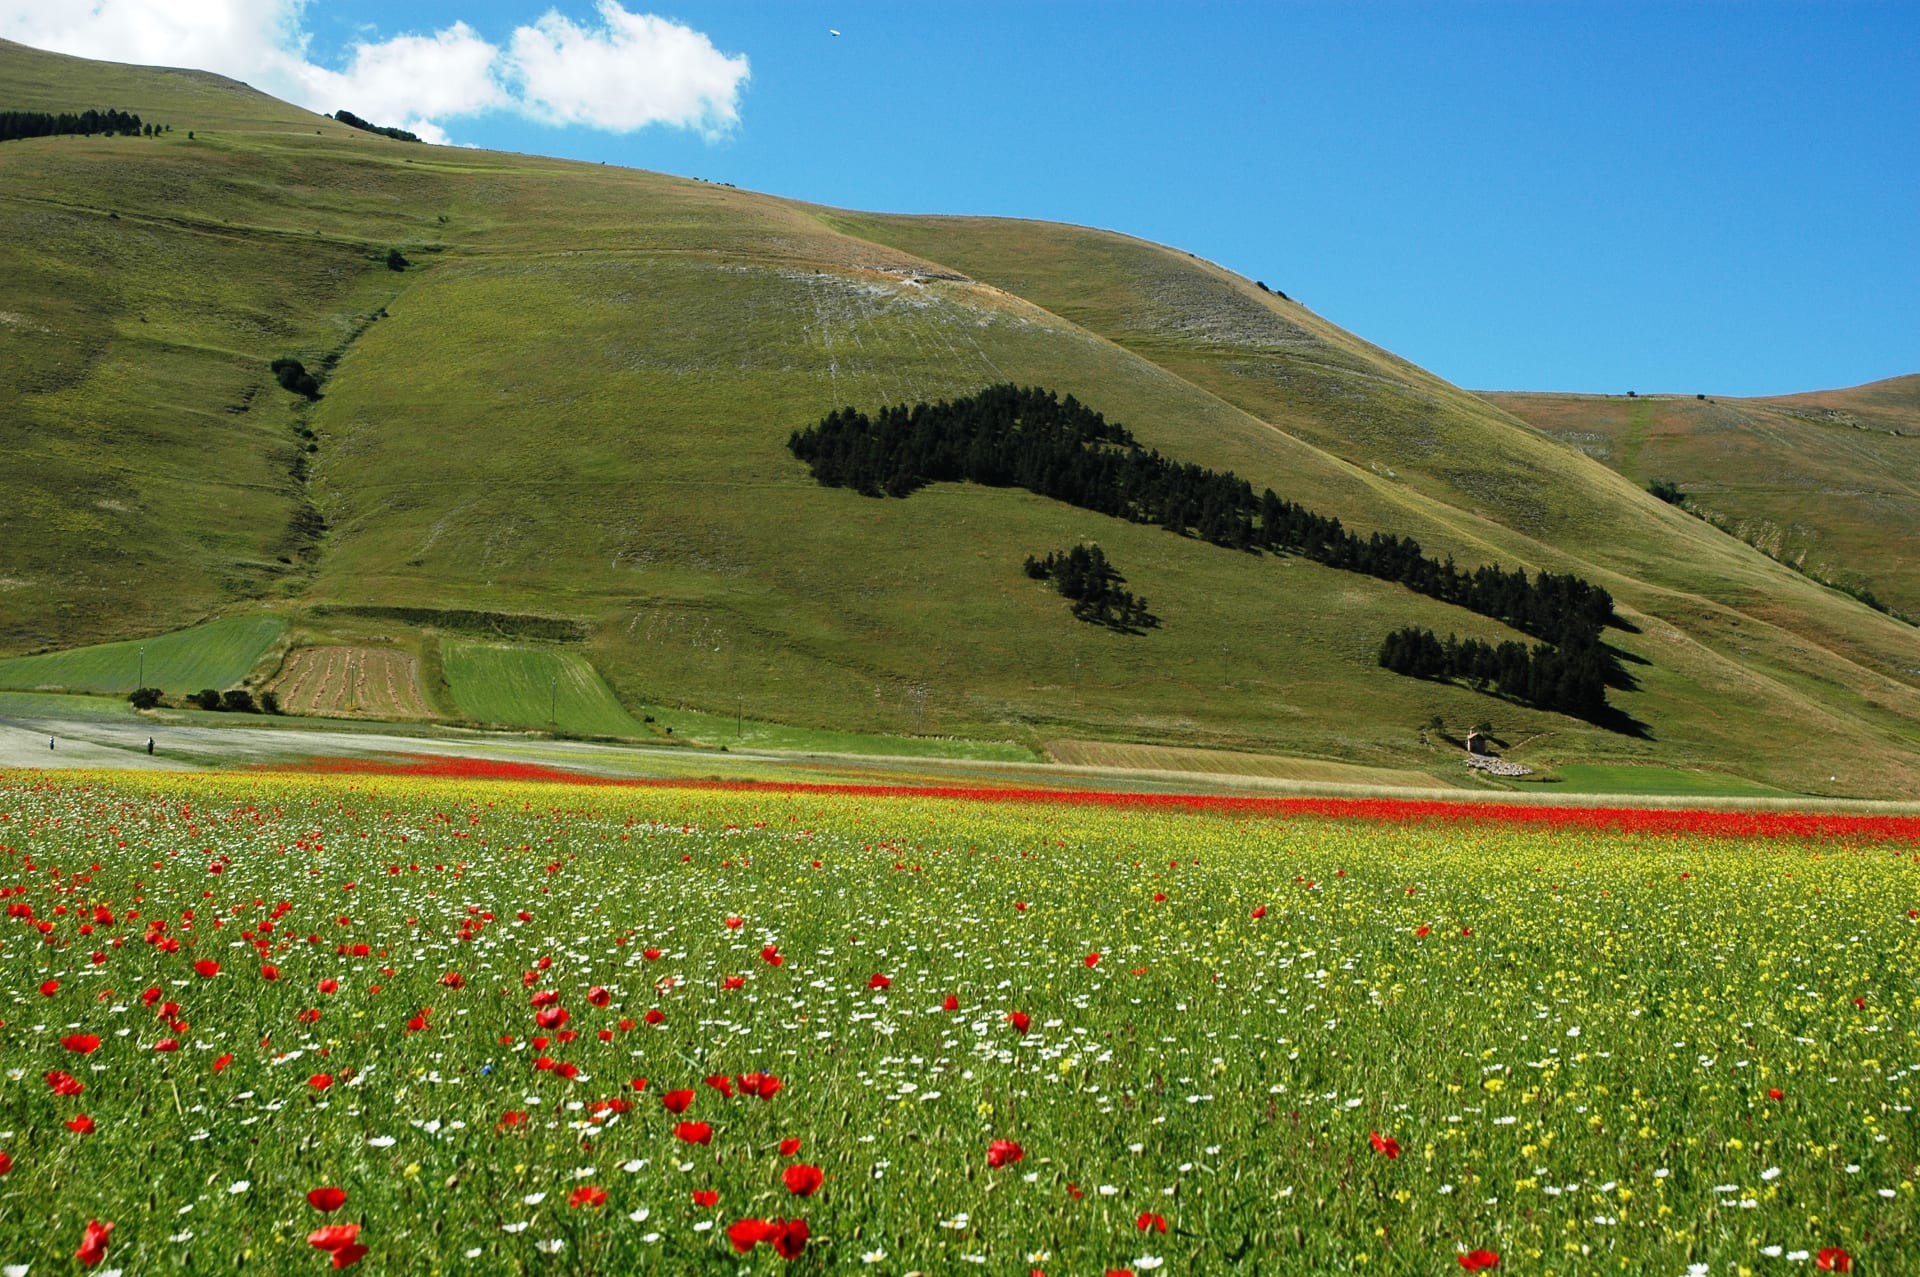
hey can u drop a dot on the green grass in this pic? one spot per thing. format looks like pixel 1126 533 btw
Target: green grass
pixel 739 733
pixel 515 685
pixel 1585 778
pixel 576 406
pixel 1306 1046
pixel 50 705
pixel 217 655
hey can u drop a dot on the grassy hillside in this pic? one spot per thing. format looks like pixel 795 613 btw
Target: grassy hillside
pixel 1824 481
pixel 574 405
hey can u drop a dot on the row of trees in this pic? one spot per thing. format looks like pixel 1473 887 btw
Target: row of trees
pixel 1571 679
pixel 235 700
pixel 353 121
pixel 1010 436
pixel 1086 576
pixel 19 124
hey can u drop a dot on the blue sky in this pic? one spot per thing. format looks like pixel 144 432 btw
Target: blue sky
pixel 1704 197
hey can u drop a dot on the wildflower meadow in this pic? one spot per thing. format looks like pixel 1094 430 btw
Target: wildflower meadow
pixel 283 1023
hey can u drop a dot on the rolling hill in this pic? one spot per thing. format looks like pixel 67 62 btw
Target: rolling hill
pixel 1823 481
pixel 565 424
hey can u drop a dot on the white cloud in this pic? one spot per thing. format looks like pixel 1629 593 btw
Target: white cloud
pixel 628 71
pixel 635 70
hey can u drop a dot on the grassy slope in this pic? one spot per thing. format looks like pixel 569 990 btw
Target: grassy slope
pixel 1825 481
pixel 578 406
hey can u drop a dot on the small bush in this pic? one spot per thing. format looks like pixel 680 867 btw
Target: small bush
pixel 238 701
pixel 293 375
pixel 206 698
pixel 395 261
pixel 145 697
pixel 270 702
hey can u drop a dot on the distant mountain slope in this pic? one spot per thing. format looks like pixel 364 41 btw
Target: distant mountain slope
pixel 574 403
pixel 1828 481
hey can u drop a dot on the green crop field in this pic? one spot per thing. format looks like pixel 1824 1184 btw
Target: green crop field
pixel 468 1026
pixel 217 655
pixel 522 686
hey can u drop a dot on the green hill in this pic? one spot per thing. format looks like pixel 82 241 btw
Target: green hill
pixel 1824 481
pixel 574 404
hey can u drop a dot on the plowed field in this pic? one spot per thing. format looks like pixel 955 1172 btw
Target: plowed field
pixel 352 682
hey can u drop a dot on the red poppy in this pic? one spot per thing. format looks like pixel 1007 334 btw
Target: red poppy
pixel 80 1125
pixel 771 955
pixel 1021 905
pixel 721 1083
pixel 1259 911
pixel 1092 959
pixel 788 1237
pixel 348 1255
pixel 1467 931
pixel 734 921
pixel 1422 932
pixel 789 1146
pixel 329 985
pixel 334 1236
pixel 745 1234
pixel 733 982
pixel 1159 897
pixel 320 1081
pixel 93 1243
pixel 878 981
pixel 1385 1144
pixel 1476 1260
pixel 269 972
pixel 1776 1094
pixel 587 1195
pixel 802 1180
pixel 1149 1223
pixel 65 1083
pixel 552 1017
pixel 1074 1191
pixel 1019 1020
pixel 651 955
pixel 1004 1153
pixel 1834 1260
pixel 706 1198
pixel 454 980
pixel 951 1004
pixel 222 1062
pixel 763 1086
pixel 6 1163
pixel 206 967
pixel 81 1043
pixel 49 987
pixel 327 1199
pixel 677 1101
pixel 599 996
pixel 638 1084
pixel 693 1132
pixel 167 1044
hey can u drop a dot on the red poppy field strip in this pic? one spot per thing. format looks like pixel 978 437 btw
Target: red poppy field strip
pixel 418 1024
pixel 1695 822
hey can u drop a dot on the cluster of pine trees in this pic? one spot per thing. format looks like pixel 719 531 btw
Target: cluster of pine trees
pixel 1085 575
pixel 1571 679
pixel 1011 436
pixel 351 120
pixel 19 124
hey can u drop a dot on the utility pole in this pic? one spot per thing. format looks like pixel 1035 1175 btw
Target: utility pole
pixel 553 682
pixel 142 680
